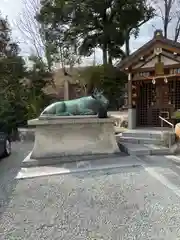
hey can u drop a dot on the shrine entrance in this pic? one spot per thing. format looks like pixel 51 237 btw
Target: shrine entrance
pixel 154 100
pixel 153 82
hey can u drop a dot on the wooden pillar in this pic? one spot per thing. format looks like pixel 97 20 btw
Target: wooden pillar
pixel 129 90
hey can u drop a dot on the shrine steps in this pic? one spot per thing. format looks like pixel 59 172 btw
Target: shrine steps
pixel 146 142
pixel 144 149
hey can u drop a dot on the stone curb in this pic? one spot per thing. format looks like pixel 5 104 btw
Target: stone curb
pixel 24 171
pixel 28 162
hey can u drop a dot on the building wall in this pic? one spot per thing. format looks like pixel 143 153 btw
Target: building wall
pixel 60 85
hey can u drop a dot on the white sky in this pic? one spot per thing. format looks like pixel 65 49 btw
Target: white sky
pixel 12 9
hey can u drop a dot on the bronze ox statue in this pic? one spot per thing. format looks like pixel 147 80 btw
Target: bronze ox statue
pixel 96 104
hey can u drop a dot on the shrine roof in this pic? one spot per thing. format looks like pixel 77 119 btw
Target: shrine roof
pixel 157 40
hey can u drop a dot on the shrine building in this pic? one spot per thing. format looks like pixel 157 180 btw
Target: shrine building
pixel 153 82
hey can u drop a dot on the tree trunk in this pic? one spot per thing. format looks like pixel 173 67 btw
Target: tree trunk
pixel 110 59
pixel 177 30
pixel 167 15
pixel 104 54
pixel 127 45
pixel 165 28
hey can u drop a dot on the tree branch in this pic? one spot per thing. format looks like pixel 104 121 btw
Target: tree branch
pixel 30 28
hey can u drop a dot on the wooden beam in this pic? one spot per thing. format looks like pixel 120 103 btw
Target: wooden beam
pixel 157 77
pixel 149 69
pixel 170 57
pixel 170 48
pixel 145 62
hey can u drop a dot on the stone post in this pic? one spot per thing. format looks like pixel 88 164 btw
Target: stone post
pixel 131 110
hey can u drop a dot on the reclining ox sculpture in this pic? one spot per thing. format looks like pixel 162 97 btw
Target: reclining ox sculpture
pixel 73 128
pixel 96 104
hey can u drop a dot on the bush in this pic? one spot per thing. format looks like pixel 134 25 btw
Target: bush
pixel 107 78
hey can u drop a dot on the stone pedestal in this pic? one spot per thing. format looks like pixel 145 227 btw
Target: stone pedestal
pixel 70 136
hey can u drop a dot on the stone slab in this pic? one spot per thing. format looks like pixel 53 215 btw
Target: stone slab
pixel 54 120
pixel 156 161
pixel 138 140
pixel 174 158
pixel 144 149
pixel 148 133
pixel 78 166
pixel 70 136
pixel 164 137
pixel 30 162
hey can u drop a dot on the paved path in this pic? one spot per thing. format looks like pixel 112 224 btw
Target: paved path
pixel 141 202
pixel 9 167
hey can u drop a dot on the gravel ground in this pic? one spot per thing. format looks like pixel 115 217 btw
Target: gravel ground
pixel 124 203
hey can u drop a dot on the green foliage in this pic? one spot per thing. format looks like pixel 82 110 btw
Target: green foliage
pixel 89 24
pixel 12 70
pixel 106 78
pixel 59 48
pixel 176 115
pixel 12 105
pixel 38 77
pixel 19 101
pixel 69 28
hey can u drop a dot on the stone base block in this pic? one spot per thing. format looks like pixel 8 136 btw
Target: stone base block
pixel 26 134
pixel 70 136
pixel 131 118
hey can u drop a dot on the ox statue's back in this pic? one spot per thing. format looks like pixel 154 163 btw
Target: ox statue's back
pixel 96 104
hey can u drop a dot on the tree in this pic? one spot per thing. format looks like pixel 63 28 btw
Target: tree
pixel 61 49
pixel 168 11
pixel 21 89
pixel 106 78
pixel 12 70
pixel 38 77
pixel 141 12
pixel 14 95
pixel 34 32
pixel 99 23
pixel 30 27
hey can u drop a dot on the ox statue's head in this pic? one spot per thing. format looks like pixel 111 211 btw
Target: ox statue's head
pixel 98 95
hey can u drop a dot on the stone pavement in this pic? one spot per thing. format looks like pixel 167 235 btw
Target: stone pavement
pixel 9 168
pixel 92 164
pixel 141 202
